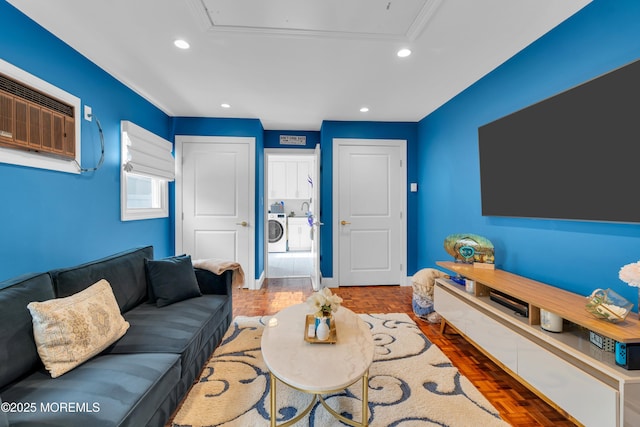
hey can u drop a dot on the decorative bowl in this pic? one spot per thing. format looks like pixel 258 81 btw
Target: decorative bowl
pixel 608 305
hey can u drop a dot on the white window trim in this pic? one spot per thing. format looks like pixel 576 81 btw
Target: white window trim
pixel 137 214
pixel 141 213
pixel 38 160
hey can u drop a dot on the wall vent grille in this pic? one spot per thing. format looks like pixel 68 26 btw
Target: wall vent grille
pixel 18 89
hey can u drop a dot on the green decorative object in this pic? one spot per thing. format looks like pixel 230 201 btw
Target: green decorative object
pixel 470 248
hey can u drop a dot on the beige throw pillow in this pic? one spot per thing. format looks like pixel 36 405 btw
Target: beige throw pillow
pixel 69 331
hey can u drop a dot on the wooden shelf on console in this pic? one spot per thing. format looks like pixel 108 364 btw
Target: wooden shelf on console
pixel 539 295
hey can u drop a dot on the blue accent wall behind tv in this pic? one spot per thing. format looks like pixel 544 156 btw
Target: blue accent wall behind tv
pixel 53 219
pixel 574 255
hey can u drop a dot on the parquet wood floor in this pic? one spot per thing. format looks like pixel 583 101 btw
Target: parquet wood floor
pixel 516 404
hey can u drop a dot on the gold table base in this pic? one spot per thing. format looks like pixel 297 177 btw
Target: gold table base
pixel 318 396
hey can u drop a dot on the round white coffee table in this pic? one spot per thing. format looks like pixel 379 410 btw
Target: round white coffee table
pixel 317 368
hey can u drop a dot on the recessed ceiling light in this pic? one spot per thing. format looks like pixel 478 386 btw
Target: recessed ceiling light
pixel 364 109
pixel 403 53
pixel 181 44
pixel 225 105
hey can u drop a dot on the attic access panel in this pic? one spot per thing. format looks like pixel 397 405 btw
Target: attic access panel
pixel 387 19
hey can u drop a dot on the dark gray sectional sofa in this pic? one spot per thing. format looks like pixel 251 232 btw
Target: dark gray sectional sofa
pixel 137 381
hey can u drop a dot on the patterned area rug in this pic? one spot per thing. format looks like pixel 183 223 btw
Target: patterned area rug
pixel 412 383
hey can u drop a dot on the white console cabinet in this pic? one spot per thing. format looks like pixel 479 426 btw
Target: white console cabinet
pixel 564 369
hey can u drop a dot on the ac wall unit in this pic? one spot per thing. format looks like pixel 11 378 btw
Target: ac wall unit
pixel 34 121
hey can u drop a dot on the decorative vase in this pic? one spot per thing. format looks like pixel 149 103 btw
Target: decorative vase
pixel 608 305
pixel 322 328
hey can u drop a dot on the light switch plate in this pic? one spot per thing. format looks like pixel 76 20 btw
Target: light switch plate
pixel 87 113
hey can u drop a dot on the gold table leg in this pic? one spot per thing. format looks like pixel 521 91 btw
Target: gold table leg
pixel 318 397
pixel 365 406
pixel 365 399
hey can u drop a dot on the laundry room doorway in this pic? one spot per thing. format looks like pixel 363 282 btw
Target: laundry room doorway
pixel 292 212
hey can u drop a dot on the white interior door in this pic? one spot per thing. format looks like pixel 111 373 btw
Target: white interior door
pixel 315 227
pixel 215 196
pixel 371 192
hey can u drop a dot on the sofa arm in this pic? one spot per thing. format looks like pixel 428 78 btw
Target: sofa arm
pixel 214 284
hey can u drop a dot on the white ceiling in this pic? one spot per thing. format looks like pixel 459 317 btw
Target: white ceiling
pixel 294 63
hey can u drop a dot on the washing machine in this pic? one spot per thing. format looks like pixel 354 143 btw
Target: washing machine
pixel 277 232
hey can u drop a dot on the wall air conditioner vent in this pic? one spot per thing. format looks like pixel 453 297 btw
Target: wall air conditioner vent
pixel 34 121
pixel 24 92
pixel 39 122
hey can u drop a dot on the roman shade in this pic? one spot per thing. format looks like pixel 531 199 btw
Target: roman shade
pixel 146 154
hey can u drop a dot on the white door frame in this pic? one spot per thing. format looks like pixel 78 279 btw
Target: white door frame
pixel 336 143
pixel 307 152
pixel 249 272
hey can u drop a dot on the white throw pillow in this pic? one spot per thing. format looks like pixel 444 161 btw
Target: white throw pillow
pixel 69 331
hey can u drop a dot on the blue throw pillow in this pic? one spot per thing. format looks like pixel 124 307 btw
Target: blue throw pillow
pixel 172 279
pixel 151 297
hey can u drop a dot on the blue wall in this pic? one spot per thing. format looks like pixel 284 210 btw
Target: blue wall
pixel 53 219
pixel 232 127
pixel 272 139
pixel 577 256
pixel 366 130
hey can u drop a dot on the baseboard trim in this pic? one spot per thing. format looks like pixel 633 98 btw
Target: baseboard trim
pixel 259 282
pixel 329 282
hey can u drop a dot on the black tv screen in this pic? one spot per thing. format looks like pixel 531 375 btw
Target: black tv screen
pixel 575 155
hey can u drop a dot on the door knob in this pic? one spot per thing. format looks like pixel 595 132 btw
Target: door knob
pixel 243 223
pixel 343 222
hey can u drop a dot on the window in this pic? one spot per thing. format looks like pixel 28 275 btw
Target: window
pixel 147 168
pixel 143 192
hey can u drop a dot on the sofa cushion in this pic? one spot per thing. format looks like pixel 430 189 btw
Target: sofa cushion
pixel 122 390
pixel 69 331
pixel 18 353
pixel 214 284
pixel 181 328
pixel 172 279
pixel 124 271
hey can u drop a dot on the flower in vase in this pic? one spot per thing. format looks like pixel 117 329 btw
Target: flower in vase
pixel 630 274
pixel 324 302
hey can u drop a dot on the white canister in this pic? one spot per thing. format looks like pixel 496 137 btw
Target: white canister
pixel 469 285
pixel 550 321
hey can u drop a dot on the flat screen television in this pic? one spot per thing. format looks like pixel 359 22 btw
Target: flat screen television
pixel 573 156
